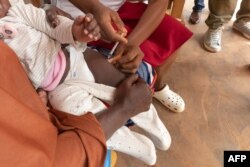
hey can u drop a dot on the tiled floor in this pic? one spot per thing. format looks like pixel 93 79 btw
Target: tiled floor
pixel 216 89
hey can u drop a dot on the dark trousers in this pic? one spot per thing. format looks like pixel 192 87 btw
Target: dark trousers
pixel 198 5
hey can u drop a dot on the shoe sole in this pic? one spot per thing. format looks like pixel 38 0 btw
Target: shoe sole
pixel 238 30
pixel 180 110
pixel 211 49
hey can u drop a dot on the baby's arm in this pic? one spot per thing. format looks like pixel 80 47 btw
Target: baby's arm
pixel 36 18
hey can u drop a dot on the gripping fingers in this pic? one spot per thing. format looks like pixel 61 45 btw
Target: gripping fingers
pixel 86 22
pixel 132 66
pixel 131 80
pixel 89 17
pixel 91 26
pixel 96 33
pixel 128 56
pixel 93 30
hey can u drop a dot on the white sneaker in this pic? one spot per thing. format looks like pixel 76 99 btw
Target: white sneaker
pixel 212 39
pixel 170 99
pixel 243 26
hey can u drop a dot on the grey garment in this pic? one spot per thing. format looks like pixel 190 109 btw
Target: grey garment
pixel 221 11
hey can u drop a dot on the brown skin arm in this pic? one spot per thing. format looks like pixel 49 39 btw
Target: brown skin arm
pixel 103 15
pixel 4 7
pixel 105 18
pixel 129 53
pixel 130 56
pixel 149 21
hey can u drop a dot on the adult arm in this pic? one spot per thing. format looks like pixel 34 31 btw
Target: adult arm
pixel 4 7
pixel 105 17
pixel 148 22
pixel 130 53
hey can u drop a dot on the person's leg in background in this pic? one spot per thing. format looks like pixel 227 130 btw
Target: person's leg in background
pixel 242 24
pixel 220 13
pixel 163 93
pixel 195 16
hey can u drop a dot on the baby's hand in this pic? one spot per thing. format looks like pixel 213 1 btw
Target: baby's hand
pixel 43 95
pixel 85 29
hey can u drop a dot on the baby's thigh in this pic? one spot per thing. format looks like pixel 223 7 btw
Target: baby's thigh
pixel 103 72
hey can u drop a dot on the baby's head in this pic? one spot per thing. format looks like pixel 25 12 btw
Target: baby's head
pixel 4 7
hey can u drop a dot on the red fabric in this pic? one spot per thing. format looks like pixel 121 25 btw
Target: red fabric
pixel 166 39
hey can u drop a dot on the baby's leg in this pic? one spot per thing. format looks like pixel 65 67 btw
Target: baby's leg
pixel 134 144
pixel 103 72
pixel 73 97
pixel 150 122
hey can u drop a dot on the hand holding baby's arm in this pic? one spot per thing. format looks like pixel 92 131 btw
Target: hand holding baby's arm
pixel 86 29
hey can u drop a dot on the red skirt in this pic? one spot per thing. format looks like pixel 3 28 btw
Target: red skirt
pixel 167 37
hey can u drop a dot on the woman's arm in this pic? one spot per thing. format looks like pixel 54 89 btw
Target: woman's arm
pixel 4 7
pixel 129 54
pixel 105 17
pixel 148 22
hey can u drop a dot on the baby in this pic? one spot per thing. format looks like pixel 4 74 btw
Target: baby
pixel 75 82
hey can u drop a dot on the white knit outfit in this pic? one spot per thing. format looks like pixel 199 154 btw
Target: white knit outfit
pixel 34 44
pixel 37 45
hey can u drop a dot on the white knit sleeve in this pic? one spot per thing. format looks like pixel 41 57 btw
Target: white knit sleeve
pixel 36 18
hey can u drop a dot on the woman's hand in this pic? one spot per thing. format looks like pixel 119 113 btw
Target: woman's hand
pixel 4 7
pixel 86 29
pixel 133 95
pixel 110 24
pixel 127 57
